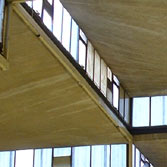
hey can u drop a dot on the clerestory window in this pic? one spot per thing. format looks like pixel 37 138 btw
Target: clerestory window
pixel 2 4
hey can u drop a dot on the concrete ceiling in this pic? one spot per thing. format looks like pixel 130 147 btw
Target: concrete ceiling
pixel 131 36
pixel 42 104
pixel 153 146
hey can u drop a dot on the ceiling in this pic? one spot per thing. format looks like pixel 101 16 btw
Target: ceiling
pixel 153 146
pixel 42 104
pixel 131 36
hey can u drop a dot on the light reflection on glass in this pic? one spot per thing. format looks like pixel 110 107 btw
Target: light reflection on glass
pixel 82 54
pixel 47 20
pixel 37 6
pixel 24 158
pixel 66 30
pixel 74 40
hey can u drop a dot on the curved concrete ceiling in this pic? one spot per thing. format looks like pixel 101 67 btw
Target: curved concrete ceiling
pixel 131 36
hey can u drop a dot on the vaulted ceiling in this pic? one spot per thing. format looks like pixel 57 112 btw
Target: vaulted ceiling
pixel 131 36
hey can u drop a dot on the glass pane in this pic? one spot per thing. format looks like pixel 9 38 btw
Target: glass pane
pixel 81 157
pixel 100 156
pixel 1 18
pixel 127 108
pixel 116 80
pixel 50 1
pixel 97 69
pixel 115 96
pixel 29 3
pixel 83 36
pixel 158 110
pixel 90 60
pixel 133 155
pixel 43 158
pixel 118 155
pixel 109 95
pixel 137 158
pixel 74 40
pixel 121 102
pixel 47 20
pixel 103 77
pixel 37 6
pixel 66 30
pixel 140 111
pixel 24 158
pixel 57 19
pixel 82 54
pixel 59 152
pixel 109 74
pixel 7 159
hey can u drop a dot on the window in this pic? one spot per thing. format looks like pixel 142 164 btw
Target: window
pixel 138 158
pixel 115 96
pixel 103 77
pixel 97 69
pixel 62 157
pixel 66 30
pixel 158 110
pixel 141 111
pixel 81 156
pixel 115 92
pixel 7 159
pixel 43 158
pixel 100 156
pixel 90 60
pixel 127 108
pixel 82 49
pixel 74 40
pixel 37 6
pixel 57 19
pixel 118 155
pixel 59 152
pixel 109 85
pixel 24 158
pixel 1 21
pixel 121 101
pixel 47 20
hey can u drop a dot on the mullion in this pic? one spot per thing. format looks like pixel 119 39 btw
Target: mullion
pixel 150 111
pixel 48 7
pixel 70 36
pixel 52 157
